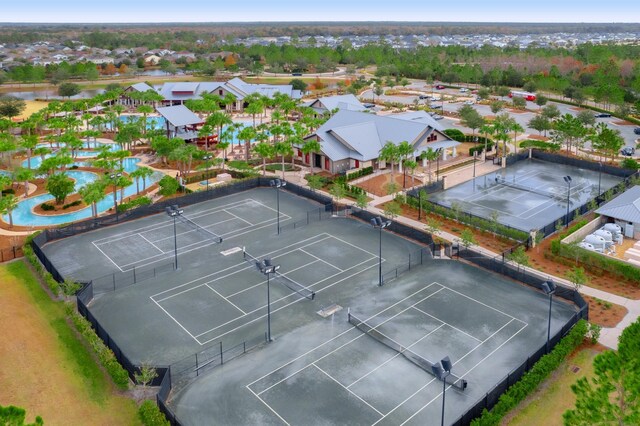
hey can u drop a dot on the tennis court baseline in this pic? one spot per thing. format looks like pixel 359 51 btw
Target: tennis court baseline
pixel 366 382
pixel 153 243
pixel 219 303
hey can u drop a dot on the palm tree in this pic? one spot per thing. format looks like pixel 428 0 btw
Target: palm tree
pixel 29 143
pixel 7 205
pixel 204 132
pixel 247 134
pixel 92 193
pixel 145 110
pixel 389 153
pixel 516 128
pixel 405 149
pixel 283 149
pixel 24 175
pixel 411 165
pixel 264 150
pixel 429 155
pixel 218 119
pixel 254 108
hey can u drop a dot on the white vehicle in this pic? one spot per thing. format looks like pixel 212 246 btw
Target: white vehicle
pixel 464 90
pixel 469 102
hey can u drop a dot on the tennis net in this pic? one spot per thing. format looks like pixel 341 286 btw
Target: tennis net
pixel 200 229
pixel 503 181
pixel 282 279
pixel 413 357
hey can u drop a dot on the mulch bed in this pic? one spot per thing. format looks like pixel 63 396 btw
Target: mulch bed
pixel 377 184
pixel 603 313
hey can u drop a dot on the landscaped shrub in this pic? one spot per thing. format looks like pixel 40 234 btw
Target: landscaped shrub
pixel 532 379
pixel 150 414
pixel 47 207
pixel 455 134
pixel 473 221
pixel 591 260
pixel 542 145
pixel 105 355
pixel 278 167
pixel 480 147
pixel 359 173
pixel 53 285
pixel 8 191
pixel 630 163
pixel 168 186
pixel 72 204
pixel 141 201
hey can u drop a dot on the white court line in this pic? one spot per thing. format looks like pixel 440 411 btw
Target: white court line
pixel 497 187
pixel 105 255
pixel 236 265
pixel 455 328
pixel 268 406
pixel 237 217
pixel 288 304
pixel 468 371
pixel 170 237
pixel 157 248
pixel 360 335
pixel 398 354
pixel 226 300
pixel 264 282
pixel 347 389
pixel 456 362
pixel 484 304
pixel 124 234
pixel 175 320
pixel 198 245
pixel 321 260
pixel 244 268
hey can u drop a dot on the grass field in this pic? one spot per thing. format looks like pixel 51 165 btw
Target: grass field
pixel 554 397
pixel 45 368
pixel 32 106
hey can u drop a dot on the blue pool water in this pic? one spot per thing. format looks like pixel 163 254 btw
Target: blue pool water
pixel 24 216
pixel 85 145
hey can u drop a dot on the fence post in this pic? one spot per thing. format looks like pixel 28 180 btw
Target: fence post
pixel 197 367
pixel 221 359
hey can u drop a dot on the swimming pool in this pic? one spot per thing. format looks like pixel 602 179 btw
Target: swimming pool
pixel 152 122
pixel 24 216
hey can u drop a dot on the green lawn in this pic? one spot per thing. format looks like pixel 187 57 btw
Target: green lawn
pixel 45 367
pixel 554 397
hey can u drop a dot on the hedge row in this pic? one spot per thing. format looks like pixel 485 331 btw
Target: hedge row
pixel 590 259
pixel 480 147
pixel 534 377
pixel 542 145
pixel 359 173
pixel 474 221
pixel 141 201
pixel 573 228
pixel 150 414
pixel 53 285
pixel 105 355
pixel 455 134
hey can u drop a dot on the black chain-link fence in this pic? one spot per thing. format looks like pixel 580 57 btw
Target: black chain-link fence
pixel 501 266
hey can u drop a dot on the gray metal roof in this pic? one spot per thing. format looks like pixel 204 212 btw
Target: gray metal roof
pixel 360 135
pixel 330 103
pixel 182 91
pixel 625 206
pixel 141 87
pixel 179 115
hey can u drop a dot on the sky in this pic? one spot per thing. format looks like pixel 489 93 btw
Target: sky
pixel 90 11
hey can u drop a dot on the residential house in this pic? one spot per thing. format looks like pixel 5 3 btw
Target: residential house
pixel 353 139
pixel 152 59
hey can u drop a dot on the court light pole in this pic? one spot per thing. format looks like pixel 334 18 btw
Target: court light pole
pixel 206 158
pixel 599 177
pixel 567 179
pixel 277 184
pixel 377 222
pixel 174 212
pixel 442 371
pixel 549 288
pixel 267 268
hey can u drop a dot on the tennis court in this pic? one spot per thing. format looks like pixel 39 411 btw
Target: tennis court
pixel 323 366
pixel 333 371
pixel 527 195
